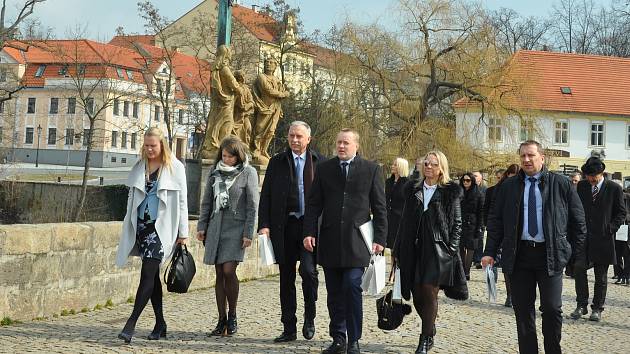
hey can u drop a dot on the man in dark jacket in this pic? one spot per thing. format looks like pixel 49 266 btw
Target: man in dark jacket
pixel 346 190
pixel 287 182
pixel 605 211
pixel 534 213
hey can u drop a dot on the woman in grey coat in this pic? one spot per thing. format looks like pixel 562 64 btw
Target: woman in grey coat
pixel 226 224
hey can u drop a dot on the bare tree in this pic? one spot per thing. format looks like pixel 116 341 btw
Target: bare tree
pixel 575 25
pixel 8 30
pixel 515 32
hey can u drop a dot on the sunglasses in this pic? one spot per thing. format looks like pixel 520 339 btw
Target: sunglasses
pixel 428 163
pixel 466 180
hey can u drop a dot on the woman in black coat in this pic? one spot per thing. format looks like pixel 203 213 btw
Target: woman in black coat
pixel 472 220
pixel 427 243
pixel 395 201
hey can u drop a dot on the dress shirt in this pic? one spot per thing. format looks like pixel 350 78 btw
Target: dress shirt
pixel 299 174
pixel 428 194
pixel 347 167
pixel 540 236
pixel 599 186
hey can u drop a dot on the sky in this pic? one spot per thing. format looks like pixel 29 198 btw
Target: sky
pixel 102 17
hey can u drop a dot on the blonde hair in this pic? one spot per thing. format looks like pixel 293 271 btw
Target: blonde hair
pixel 444 176
pixel 402 166
pixel 165 150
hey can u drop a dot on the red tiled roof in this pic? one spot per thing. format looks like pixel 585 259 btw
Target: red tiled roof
pixel 121 41
pixel 598 84
pixel 259 24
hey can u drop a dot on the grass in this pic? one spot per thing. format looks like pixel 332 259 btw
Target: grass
pixel 48 177
pixel 130 300
pixel 8 321
pixel 109 303
pixel 98 307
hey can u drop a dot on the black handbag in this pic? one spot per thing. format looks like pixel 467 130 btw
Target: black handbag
pixel 180 271
pixel 459 289
pixel 390 314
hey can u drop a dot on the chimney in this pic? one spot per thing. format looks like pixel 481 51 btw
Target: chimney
pixel 255 8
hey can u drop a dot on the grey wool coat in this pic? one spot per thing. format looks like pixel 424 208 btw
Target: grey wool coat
pixel 226 229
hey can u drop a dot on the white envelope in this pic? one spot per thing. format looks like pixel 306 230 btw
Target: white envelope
pixel 367 231
pixel 622 233
pixel 265 250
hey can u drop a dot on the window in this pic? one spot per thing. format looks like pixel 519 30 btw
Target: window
pixel 180 119
pixel 1 134
pixel 136 108
pixel 113 158
pixel 86 136
pixel 72 105
pixel 29 136
pixel 40 71
pixel 126 108
pixel 123 160
pixel 119 71
pixel 69 137
pixel 31 105
pixel 628 135
pixel 54 105
pixel 561 134
pixel 2 107
pixel 114 138
pixel 89 105
pixel 52 136
pixel 81 69
pixel 116 107
pixel 130 74
pixel 63 70
pixel 495 130
pixel 526 131
pixel 123 140
pixel 158 85
pixel 134 137
pixel 157 113
pixel 597 133
pixel 3 75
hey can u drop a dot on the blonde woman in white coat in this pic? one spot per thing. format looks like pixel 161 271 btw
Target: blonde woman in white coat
pixel 156 219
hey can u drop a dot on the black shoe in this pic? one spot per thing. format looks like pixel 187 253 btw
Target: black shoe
pixel 127 332
pixel 337 347
pixel 220 328
pixel 615 277
pixel 467 277
pixel 159 331
pixel 626 281
pixel 619 281
pixel 232 325
pixel 478 266
pixel 508 301
pixel 596 315
pixel 308 329
pixel 426 343
pixel 353 348
pixel 285 337
pixel 579 311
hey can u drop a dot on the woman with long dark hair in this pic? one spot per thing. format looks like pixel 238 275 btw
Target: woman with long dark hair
pixel 226 224
pixel 427 243
pixel 157 191
pixel 472 220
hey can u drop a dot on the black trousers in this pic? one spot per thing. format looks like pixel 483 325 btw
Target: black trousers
pixel 530 270
pixel 622 268
pixel 345 303
pixel 294 251
pixel 599 293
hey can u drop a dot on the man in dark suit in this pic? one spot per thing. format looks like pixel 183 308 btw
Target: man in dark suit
pixel 605 211
pixel 346 190
pixel 281 216
pixel 533 214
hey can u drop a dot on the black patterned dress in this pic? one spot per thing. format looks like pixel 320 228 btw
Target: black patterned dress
pixel 147 239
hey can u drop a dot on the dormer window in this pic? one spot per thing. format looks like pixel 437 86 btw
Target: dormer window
pixel 63 70
pixel 40 71
pixel 565 90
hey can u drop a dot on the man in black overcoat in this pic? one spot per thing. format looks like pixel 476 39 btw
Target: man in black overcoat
pixel 605 211
pixel 346 190
pixel 288 180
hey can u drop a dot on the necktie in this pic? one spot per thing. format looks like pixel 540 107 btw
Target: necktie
pixel 532 216
pixel 298 174
pixel 344 168
pixel 595 192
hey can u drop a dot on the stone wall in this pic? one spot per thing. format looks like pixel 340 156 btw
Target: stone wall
pixel 48 268
pixel 38 202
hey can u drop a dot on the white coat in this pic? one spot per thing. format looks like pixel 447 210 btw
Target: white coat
pixel 172 219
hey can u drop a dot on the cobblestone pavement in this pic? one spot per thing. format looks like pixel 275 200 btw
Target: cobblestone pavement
pixel 472 326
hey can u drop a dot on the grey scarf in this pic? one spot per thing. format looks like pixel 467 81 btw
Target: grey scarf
pixel 224 177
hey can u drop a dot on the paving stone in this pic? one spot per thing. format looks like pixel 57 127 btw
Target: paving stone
pixel 471 326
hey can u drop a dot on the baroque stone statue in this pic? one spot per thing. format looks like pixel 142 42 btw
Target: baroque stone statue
pixel 221 116
pixel 268 91
pixel 243 110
